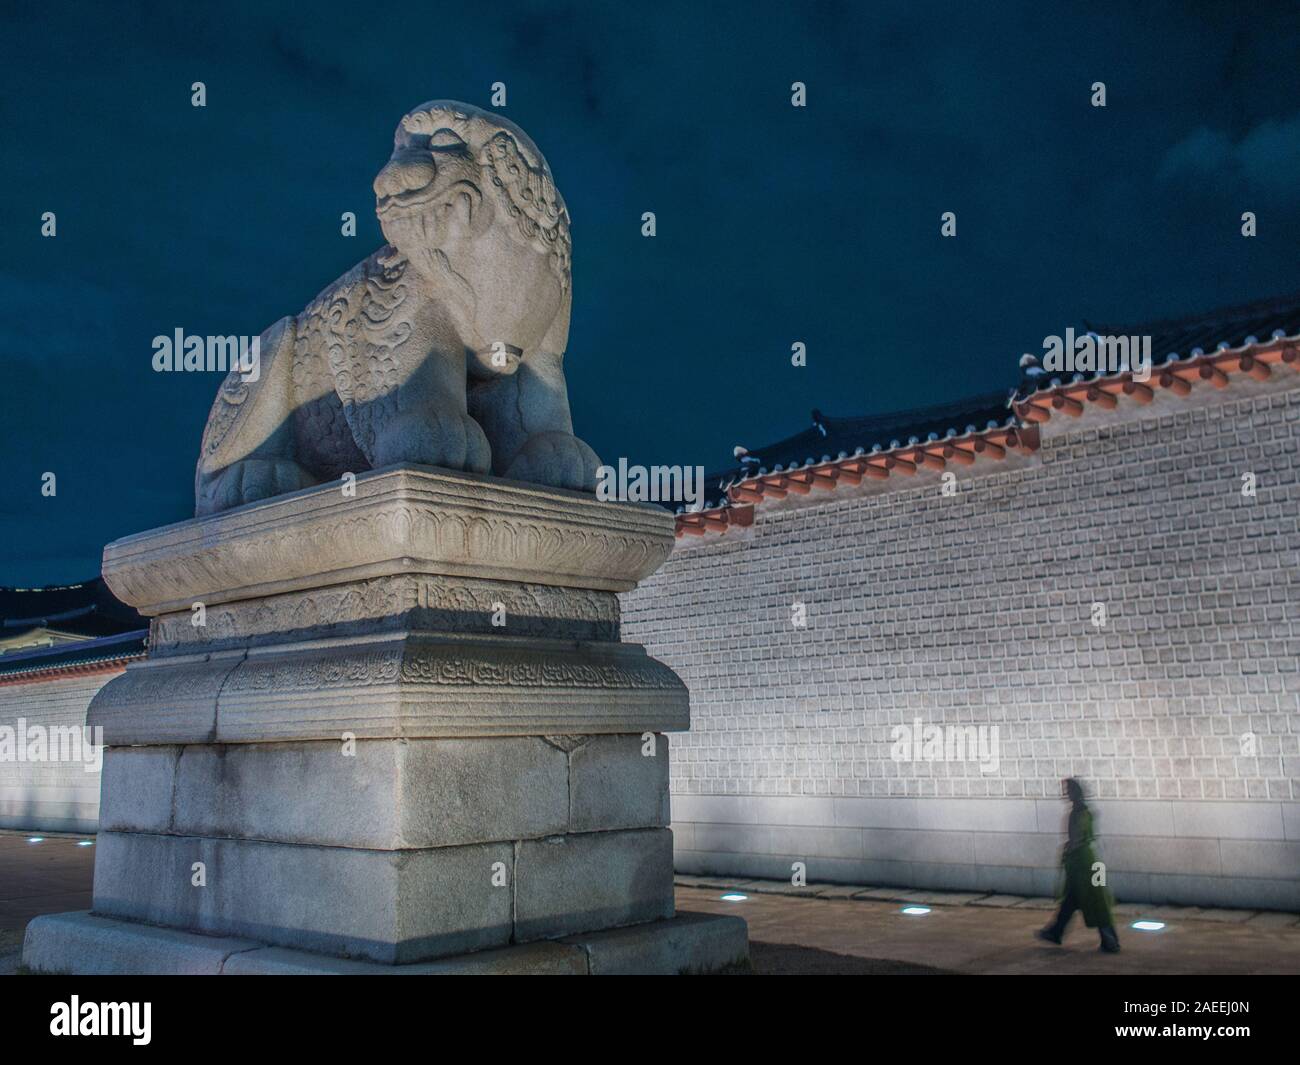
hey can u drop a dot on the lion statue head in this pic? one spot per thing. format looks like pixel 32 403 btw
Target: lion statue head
pixel 468 199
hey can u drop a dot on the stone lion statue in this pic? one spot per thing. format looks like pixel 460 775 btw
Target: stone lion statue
pixel 445 347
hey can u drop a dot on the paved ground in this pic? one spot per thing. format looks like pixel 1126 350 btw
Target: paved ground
pixel 44 877
pixel 809 934
pixel 35 878
pixel 961 934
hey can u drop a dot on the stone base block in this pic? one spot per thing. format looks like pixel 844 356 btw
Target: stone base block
pixel 389 906
pixel 86 944
pixel 390 727
pixel 593 880
pixel 618 782
pixel 389 794
pixel 386 906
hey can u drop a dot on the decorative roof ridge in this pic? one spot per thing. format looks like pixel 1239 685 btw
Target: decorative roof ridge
pixel 744 495
pixel 1256 360
pixel 834 448
pixel 845 437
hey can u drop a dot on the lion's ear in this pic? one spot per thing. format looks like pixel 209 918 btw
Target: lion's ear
pixel 463 202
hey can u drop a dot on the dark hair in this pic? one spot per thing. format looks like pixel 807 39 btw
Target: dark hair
pixel 1073 790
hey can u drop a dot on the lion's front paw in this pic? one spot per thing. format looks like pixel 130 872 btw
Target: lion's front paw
pixel 250 480
pixel 557 459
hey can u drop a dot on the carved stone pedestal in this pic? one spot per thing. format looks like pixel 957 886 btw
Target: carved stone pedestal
pixel 385 732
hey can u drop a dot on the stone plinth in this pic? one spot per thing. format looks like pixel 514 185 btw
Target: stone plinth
pixel 405 731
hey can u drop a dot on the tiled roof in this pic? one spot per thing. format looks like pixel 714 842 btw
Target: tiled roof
pixel 832 438
pixel 75 657
pixel 1179 339
pixel 1253 339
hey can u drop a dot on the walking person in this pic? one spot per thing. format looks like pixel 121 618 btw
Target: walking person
pixel 1078 890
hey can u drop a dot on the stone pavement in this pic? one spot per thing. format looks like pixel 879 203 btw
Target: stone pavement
pixel 828 929
pixel 46 877
pixel 839 928
pixel 35 878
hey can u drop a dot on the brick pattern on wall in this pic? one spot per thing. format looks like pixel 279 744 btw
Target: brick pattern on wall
pixel 49 796
pixel 977 610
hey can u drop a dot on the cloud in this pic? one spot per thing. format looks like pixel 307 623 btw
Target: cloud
pixel 1264 159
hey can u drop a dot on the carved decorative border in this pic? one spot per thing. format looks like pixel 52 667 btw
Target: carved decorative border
pixel 407 686
pixel 448 604
pixel 407 519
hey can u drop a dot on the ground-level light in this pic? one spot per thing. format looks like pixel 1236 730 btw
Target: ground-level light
pixel 916 911
pixel 35 839
pixel 1148 926
pixel 734 897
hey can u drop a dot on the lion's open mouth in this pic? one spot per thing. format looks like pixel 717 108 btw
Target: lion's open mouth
pixel 402 202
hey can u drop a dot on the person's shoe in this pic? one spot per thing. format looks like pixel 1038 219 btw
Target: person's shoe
pixel 1050 935
pixel 1109 941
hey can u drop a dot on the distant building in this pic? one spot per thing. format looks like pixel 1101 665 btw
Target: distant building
pixel 58 647
pixel 901 632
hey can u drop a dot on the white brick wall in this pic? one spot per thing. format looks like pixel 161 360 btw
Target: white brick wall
pixel 49 796
pixel 976 610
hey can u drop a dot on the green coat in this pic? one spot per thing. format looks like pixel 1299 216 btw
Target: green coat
pixel 1077 860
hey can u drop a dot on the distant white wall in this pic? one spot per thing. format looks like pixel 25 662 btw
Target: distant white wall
pixel 1182 713
pixel 49 796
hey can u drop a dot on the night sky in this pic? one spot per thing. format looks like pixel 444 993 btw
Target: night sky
pixel 775 224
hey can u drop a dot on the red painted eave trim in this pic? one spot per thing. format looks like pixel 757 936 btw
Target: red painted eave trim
pixel 65 672
pixel 752 492
pixel 1216 369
